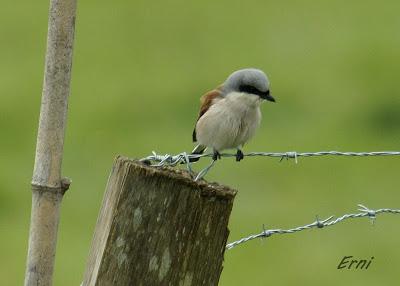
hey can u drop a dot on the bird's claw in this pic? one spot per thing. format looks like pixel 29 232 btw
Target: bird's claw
pixel 216 155
pixel 239 155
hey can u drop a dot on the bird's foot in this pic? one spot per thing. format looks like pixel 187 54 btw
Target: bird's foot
pixel 239 155
pixel 216 155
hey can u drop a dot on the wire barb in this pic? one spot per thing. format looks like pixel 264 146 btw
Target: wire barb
pixel 319 223
pixel 265 232
pixel 289 155
pixel 364 212
pixel 371 213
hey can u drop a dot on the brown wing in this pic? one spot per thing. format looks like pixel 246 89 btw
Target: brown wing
pixel 206 101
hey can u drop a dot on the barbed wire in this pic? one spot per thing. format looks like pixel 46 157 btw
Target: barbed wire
pixel 330 221
pixel 185 158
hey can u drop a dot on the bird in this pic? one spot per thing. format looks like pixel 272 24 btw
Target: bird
pixel 230 114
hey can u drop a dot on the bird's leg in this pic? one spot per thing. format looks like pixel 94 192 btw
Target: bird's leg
pixel 239 155
pixel 216 155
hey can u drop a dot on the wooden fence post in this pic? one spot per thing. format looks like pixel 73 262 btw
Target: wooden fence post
pixel 159 227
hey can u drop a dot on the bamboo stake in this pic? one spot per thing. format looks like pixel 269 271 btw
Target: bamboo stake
pixel 48 187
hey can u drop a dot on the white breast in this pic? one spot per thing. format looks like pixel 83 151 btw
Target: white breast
pixel 230 122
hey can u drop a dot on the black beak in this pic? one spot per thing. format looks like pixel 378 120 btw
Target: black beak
pixel 267 96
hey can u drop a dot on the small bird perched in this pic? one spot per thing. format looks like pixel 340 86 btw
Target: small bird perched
pixel 230 114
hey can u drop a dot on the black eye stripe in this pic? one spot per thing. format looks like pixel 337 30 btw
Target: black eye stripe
pixel 252 90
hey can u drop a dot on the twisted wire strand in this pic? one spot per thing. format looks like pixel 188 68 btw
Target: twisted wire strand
pixel 184 158
pixel 364 212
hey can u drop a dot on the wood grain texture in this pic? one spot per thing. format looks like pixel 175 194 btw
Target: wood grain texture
pixel 159 227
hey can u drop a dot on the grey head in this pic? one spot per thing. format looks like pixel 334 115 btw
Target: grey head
pixel 250 81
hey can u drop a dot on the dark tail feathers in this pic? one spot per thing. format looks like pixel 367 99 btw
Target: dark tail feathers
pixel 199 149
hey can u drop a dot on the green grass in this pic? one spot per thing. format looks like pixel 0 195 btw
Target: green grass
pixel 139 70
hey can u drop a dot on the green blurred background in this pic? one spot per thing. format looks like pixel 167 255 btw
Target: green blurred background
pixel 139 70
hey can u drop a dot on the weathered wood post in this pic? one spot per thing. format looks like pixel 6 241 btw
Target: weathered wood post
pixel 159 227
pixel 48 187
